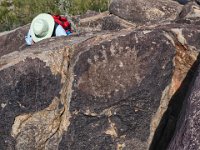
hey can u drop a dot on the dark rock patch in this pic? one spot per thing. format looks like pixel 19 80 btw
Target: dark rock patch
pixel 111 23
pixel 14 41
pixel 87 132
pixel 26 87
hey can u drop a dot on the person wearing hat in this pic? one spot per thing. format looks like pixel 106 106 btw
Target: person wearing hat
pixel 42 27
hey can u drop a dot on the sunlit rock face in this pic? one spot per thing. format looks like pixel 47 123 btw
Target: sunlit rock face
pixel 117 85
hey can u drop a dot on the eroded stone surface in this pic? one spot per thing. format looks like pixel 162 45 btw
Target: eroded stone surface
pixel 113 80
pixel 187 133
pixel 24 90
pixel 143 11
pixel 106 88
pixel 190 14
pixel 40 130
pixel 103 21
pixel 13 41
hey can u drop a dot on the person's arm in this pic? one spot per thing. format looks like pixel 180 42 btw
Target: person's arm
pixel 28 38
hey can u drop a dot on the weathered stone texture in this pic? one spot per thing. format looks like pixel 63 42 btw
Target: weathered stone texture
pixel 103 21
pixel 24 90
pixel 14 41
pixel 114 86
pixel 187 135
pixel 114 79
pixel 190 14
pixel 142 11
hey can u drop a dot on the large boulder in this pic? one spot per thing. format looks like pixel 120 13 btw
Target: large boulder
pixel 106 90
pixel 143 11
pixel 113 86
pixel 113 104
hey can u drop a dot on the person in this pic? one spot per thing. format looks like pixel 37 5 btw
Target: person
pixel 42 27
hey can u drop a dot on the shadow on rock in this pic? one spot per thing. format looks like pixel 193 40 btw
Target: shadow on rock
pixel 167 126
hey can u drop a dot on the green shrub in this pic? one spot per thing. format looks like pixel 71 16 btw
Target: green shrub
pixel 17 12
pixel 81 6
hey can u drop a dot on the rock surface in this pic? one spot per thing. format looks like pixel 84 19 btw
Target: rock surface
pixel 13 40
pixel 143 11
pixel 116 86
pixel 187 135
pixel 190 14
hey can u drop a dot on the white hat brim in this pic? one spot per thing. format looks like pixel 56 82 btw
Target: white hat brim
pixel 49 19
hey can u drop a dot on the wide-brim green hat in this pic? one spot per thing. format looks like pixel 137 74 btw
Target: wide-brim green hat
pixel 42 27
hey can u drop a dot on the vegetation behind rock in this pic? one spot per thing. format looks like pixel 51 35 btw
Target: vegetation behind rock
pixel 15 13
